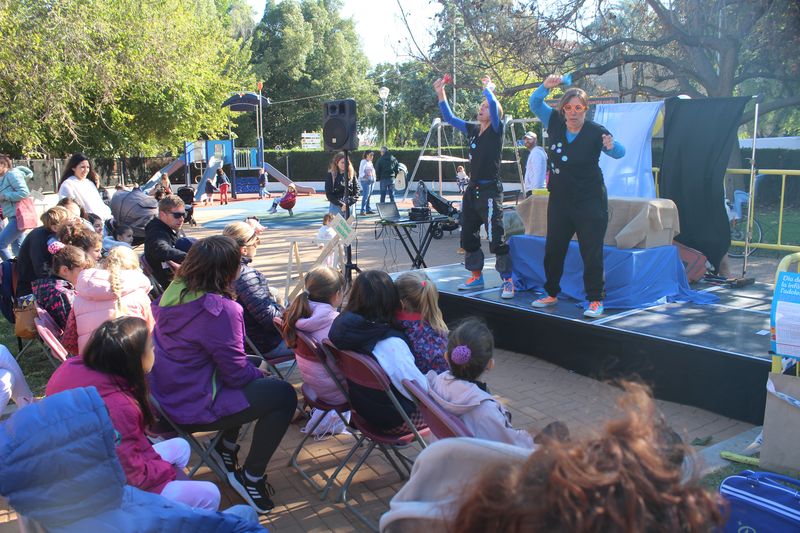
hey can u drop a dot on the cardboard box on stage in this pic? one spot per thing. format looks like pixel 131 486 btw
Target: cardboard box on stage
pixel 782 426
pixel 632 222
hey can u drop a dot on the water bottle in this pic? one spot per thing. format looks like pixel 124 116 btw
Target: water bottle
pixel 566 79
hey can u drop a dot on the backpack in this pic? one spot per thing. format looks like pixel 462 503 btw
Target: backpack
pixel 421 196
pixel 8 285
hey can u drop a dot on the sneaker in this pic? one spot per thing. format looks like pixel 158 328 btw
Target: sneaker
pixel 547 301
pixel 594 310
pixel 228 459
pixel 370 212
pixel 272 210
pixel 508 289
pixel 474 282
pixel 255 493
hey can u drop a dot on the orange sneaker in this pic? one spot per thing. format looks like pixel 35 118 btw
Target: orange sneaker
pixel 594 310
pixel 547 301
pixel 474 282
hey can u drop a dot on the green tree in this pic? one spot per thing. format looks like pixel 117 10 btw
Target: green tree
pixel 115 77
pixel 305 53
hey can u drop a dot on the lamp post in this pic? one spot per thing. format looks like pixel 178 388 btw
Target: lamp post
pixel 383 92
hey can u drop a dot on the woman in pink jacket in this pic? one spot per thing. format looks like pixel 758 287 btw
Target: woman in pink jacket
pixel 118 289
pixel 115 362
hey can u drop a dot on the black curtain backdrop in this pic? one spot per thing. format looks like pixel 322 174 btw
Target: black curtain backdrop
pixel 698 138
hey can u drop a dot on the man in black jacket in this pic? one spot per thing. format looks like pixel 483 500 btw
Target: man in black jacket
pixel 386 170
pixel 160 236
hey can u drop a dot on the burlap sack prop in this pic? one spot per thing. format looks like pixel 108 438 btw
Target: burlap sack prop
pixel 780 451
pixel 512 224
pixel 632 222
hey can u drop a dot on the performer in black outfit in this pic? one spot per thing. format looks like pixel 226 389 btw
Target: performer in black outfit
pixel 340 184
pixel 482 203
pixel 578 202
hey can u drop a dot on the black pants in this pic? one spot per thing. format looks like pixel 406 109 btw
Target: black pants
pixel 272 404
pixel 588 218
pixel 483 205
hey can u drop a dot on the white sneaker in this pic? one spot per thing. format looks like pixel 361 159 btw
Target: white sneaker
pixel 508 289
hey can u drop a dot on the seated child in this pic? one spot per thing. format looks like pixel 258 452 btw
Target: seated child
pixel 313 312
pixel 422 322
pixel 116 360
pixel 96 222
pixel 56 293
pixel 12 382
pixel 121 236
pixel 369 326
pixel 287 201
pixel 118 288
pixel 458 391
pixel 76 233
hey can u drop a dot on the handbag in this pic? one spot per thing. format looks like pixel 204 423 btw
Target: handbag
pixel 24 315
pixel 761 501
pixel 26 214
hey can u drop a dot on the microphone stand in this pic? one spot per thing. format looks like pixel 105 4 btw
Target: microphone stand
pixel 349 266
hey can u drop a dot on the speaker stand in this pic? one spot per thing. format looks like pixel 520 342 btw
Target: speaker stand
pixel 349 265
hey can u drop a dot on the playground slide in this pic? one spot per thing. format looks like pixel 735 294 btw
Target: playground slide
pixel 281 177
pixel 176 165
pixel 211 170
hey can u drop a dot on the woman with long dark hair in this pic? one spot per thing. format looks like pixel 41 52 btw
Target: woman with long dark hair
pixel 578 202
pixel 75 183
pixel 115 362
pixel 341 185
pixel 202 377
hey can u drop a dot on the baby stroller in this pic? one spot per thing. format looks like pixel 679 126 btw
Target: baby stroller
pixel 187 195
pixel 446 208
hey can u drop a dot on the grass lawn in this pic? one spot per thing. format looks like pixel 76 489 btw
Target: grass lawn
pixel 768 218
pixel 35 365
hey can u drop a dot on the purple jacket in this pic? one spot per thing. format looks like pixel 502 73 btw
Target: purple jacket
pixel 200 367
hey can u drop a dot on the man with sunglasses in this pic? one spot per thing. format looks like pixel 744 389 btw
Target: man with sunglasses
pixel 578 202
pixel 160 237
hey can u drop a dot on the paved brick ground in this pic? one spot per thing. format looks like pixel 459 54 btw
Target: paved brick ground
pixel 536 392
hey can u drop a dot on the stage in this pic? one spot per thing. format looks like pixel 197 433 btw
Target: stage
pixel 712 356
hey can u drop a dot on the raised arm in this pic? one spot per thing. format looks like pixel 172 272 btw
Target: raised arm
pixel 612 148
pixel 444 108
pixel 537 105
pixel 494 112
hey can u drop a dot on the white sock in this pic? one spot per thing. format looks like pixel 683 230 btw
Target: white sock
pixel 250 477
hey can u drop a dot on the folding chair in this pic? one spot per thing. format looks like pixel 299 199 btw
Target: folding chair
pixel 308 349
pixel 362 370
pixel 273 362
pixel 441 423
pixel 53 348
pixel 49 322
pixel 148 271
pixel 203 452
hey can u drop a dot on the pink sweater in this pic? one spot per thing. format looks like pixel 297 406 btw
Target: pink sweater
pixel 95 301
pixel 314 374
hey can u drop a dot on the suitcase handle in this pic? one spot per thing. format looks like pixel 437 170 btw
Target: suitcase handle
pixel 769 476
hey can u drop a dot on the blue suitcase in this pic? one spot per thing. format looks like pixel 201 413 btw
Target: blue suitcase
pixel 760 501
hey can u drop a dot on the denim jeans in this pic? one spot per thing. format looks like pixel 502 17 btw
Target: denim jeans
pixel 387 186
pixel 10 235
pixel 335 209
pixel 366 191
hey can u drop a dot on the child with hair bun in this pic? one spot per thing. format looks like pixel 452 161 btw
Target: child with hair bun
pixel 422 322
pixel 75 233
pixel 118 289
pixel 458 391
pixel 56 293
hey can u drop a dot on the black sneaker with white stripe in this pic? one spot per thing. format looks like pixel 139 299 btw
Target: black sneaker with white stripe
pixel 256 493
pixel 226 458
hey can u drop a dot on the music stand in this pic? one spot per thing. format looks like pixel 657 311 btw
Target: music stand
pixel 349 265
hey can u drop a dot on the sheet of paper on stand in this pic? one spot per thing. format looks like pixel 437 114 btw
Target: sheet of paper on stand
pixel 633 222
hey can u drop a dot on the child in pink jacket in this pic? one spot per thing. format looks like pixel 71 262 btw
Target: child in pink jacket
pixel 312 312
pixel 118 289
pixel 117 358
pixel 458 391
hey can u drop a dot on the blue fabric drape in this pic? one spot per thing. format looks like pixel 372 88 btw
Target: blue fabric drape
pixel 634 278
pixel 632 125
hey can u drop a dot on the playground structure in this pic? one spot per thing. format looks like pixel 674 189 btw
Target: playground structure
pixel 241 164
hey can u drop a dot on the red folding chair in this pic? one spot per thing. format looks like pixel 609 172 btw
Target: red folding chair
pixel 307 349
pixel 441 423
pixel 364 371
pixel 55 351
pixel 49 322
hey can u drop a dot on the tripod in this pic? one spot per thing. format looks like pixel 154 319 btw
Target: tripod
pixel 349 265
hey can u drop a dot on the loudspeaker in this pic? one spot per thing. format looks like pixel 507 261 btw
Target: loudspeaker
pixel 339 125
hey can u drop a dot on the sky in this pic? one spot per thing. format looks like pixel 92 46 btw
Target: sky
pixel 383 34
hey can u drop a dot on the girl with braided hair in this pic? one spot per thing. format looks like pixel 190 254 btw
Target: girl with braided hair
pixel 119 288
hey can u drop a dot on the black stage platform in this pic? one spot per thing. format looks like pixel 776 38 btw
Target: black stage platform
pixel 710 356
